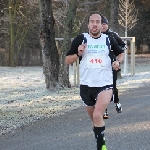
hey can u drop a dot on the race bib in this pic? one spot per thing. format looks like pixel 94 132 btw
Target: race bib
pixel 96 60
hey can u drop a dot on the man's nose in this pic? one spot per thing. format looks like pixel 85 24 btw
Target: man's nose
pixel 94 23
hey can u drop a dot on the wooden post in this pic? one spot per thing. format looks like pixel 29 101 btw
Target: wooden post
pixel 133 56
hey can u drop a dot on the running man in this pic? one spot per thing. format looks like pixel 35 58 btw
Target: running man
pixel 107 31
pixel 96 80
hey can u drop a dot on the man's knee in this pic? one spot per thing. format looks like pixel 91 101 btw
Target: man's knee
pixel 97 116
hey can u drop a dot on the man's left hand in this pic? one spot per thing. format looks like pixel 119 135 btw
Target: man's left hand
pixel 115 65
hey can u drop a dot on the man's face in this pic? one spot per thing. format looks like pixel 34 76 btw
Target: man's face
pixel 104 27
pixel 95 25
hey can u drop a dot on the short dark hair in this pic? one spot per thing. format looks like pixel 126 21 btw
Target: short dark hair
pixel 95 12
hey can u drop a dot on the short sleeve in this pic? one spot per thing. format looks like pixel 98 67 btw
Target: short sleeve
pixel 75 44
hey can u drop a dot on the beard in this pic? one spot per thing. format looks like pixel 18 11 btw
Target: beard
pixel 95 33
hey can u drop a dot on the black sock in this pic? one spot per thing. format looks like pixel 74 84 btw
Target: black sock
pixel 99 135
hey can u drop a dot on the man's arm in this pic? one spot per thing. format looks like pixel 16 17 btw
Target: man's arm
pixel 115 47
pixel 118 51
pixel 71 59
pixel 120 41
pixel 120 58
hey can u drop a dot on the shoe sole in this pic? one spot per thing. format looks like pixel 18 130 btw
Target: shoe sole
pixel 105 117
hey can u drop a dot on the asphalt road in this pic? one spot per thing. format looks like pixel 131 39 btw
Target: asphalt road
pixel 129 130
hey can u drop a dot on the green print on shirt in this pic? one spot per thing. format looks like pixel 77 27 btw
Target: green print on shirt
pixel 104 147
pixel 96 46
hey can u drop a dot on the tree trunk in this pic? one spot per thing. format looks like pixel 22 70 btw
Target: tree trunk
pixel 49 49
pixel 114 15
pixel 69 23
pixel 12 41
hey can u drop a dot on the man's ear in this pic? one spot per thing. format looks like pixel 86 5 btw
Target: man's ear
pixel 88 25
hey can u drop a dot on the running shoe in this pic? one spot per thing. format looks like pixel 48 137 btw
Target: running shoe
pixel 105 116
pixel 118 108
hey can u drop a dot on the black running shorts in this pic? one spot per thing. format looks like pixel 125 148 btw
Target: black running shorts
pixel 89 94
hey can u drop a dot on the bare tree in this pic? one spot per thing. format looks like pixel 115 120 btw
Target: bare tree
pixel 127 19
pixel 17 17
pixel 49 49
pixel 127 14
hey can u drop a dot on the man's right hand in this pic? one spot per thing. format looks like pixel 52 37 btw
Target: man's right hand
pixel 81 49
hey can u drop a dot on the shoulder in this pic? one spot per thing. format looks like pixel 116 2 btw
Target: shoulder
pixel 117 38
pixel 74 45
pixel 111 38
pixel 78 39
pixel 114 46
pixel 113 41
pixel 112 33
